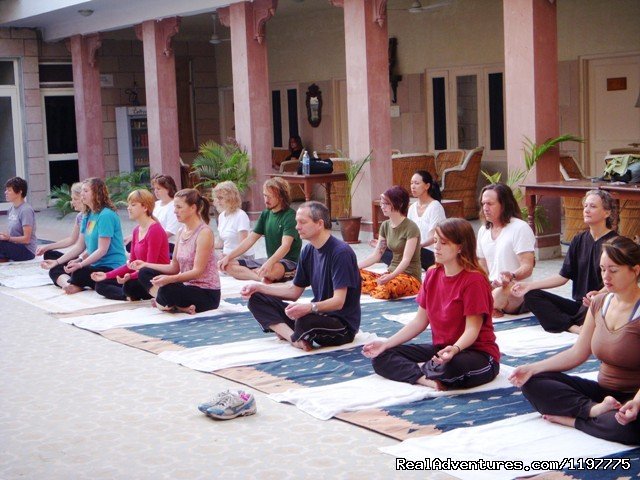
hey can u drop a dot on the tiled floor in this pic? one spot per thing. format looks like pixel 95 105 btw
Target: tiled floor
pixel 74 405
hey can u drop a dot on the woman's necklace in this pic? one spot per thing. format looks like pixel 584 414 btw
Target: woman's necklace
pixel 188 234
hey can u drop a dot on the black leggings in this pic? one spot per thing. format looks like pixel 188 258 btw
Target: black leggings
pixel 467 369
pixel 325 330
pixel 555 314
pixel 180 295
pixel 58 270
pixel 427 258
pixel 555 393
pixel 131 290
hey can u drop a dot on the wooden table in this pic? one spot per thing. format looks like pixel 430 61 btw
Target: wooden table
pixel 452 208
pixel 308 181
pixel 575 188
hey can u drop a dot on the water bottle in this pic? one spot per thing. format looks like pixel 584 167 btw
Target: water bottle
pixel 306 164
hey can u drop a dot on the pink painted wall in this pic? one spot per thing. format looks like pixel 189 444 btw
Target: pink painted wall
pixel 22 43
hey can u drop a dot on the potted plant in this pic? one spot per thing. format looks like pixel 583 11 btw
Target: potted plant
pixel 532 152
pixel 350 225
pixel 217 163
pixel 121 185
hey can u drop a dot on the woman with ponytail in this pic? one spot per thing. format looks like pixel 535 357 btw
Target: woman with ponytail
pixel 190 283
pixel 455 299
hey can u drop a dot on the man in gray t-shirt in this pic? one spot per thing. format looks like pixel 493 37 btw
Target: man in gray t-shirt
pixel 19 242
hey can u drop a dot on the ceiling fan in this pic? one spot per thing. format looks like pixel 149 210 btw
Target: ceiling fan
pixel 215 39
pixel 417 7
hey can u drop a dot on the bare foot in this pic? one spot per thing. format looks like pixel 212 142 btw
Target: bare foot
pixel 559 419
pixel 435 384
pixel 70 289
pixel 191 309
pixel 303 345
pixel 575 329
pixel 608 404
pixel 497 313
pixel 162 308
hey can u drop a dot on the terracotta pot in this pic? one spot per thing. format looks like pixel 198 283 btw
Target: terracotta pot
pixel 350 229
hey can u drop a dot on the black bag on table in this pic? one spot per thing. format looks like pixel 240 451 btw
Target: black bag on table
pixel 318 165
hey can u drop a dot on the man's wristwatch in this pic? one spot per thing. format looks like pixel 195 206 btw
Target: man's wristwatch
pixel 314 307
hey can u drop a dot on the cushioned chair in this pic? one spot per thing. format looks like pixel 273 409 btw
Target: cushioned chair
pixel 338 189
pixel 278 156
pixel 291 166
pixel 404 165
pixel 460 182
pixel 571 206
pixel 448 159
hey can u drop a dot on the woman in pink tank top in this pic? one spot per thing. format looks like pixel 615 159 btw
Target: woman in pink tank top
pixel 190 283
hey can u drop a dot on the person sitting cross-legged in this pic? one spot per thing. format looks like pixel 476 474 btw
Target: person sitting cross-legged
pixel 149 243
pixel 329 266
pixel 559 314
pixel 190 283
pixel 19 242
pixel 506 246
pixel 607 408
pixel 455 299
pixel 401 236
pixel 277 224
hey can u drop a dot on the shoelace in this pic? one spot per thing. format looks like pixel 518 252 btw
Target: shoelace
pixel 228 400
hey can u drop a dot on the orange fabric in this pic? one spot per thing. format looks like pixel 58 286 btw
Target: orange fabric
pixel 402 286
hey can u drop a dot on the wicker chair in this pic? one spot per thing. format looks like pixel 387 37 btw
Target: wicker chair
pixel 572 206
pixel 448 159
pixel 338 189
pixel 405 165
pixel 629 222
pixel 291 166
pixel 278 155
pixel 460 182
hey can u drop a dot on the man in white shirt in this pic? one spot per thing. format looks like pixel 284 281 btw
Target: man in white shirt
pixel 505 246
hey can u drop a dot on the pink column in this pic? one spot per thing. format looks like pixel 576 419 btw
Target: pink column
pixel 160 88
pixel 531 85
pixel 88 104
pixel 368 95
pixel 251 95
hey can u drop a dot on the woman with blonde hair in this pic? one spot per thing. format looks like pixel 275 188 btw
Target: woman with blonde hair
pixel 103 244
pixel 607 408
pixel 233 222
pixel 455 299
pixel 51 255
pixel 149 243
pixel 190 283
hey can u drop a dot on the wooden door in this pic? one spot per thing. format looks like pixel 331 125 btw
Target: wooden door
pixel 614 120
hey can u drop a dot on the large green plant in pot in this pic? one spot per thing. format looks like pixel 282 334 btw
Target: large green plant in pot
pixel 218 163
pixel 349 225
pixel 532 153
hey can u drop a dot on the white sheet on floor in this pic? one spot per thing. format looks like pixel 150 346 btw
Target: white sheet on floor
pixel 523 341
pixel 23 275
pixel 230 287
pixel 524 438
pixel 250 352
pixel 405 318
pixel 54 300
pixel 372 391
pixel 144 316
